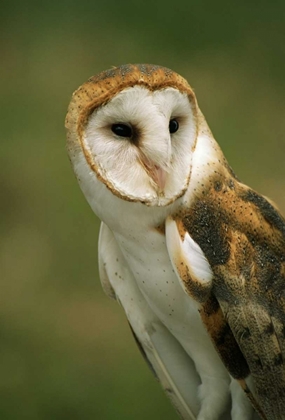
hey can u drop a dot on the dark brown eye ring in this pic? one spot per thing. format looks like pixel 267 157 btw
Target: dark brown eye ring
pixel 173 126
pixel 122 130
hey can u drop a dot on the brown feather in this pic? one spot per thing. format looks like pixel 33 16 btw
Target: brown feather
pixel 243 237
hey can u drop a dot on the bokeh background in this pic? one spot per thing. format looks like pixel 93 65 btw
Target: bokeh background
pixel 66 350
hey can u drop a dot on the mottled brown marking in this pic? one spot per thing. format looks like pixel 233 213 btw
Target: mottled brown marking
pixel 160 229
pixel 243 237
pixel 268 211
pixel 203 222
pixel 218 185
pixel 223 339
pixel 278 360
pixel 181 229
pixel 269 329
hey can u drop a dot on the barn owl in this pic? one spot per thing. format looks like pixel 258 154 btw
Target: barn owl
pixel 195 257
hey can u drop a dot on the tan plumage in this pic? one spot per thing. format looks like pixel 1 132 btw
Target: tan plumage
pixel 177 219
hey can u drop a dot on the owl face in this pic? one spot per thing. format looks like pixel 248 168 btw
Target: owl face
pixel 141 143
pixel 139 138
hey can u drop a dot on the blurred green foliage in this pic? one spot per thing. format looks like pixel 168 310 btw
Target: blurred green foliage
pixel 66 351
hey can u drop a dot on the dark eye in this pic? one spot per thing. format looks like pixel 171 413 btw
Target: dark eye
pixel 173 126
pixel 122 130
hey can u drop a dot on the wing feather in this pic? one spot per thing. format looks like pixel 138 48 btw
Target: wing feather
pixel 196 277
pixel 242 237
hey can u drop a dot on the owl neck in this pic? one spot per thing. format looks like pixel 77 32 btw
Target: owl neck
pixel 122 215
pixel 117 213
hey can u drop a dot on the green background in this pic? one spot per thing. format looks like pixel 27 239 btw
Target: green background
pixel 66 350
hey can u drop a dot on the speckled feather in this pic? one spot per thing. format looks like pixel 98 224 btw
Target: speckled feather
pixel 243 237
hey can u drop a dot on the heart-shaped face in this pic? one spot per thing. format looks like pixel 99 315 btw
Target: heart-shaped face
pixel 136 127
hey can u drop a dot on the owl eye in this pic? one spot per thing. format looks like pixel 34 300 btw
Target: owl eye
pixel 122 130
pixel 173 126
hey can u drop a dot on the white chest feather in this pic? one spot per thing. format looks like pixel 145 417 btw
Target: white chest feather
pixel 148 259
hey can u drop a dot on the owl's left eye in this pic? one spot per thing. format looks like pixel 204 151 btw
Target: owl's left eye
pixel 173 126
pixel 122 130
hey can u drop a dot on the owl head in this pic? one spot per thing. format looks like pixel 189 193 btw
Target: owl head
pixel 133 129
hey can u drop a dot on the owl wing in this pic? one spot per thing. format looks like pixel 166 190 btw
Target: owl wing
pixel 240 295
pixel 165 356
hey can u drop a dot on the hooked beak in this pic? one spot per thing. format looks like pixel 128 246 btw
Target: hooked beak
pixel 157 173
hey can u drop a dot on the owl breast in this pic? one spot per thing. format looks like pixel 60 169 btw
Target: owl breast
pixel 147 256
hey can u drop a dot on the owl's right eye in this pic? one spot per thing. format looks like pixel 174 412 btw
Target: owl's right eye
pixel 122 130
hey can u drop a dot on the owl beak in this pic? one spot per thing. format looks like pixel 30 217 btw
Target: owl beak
pixel 156 172
pixel 159 176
